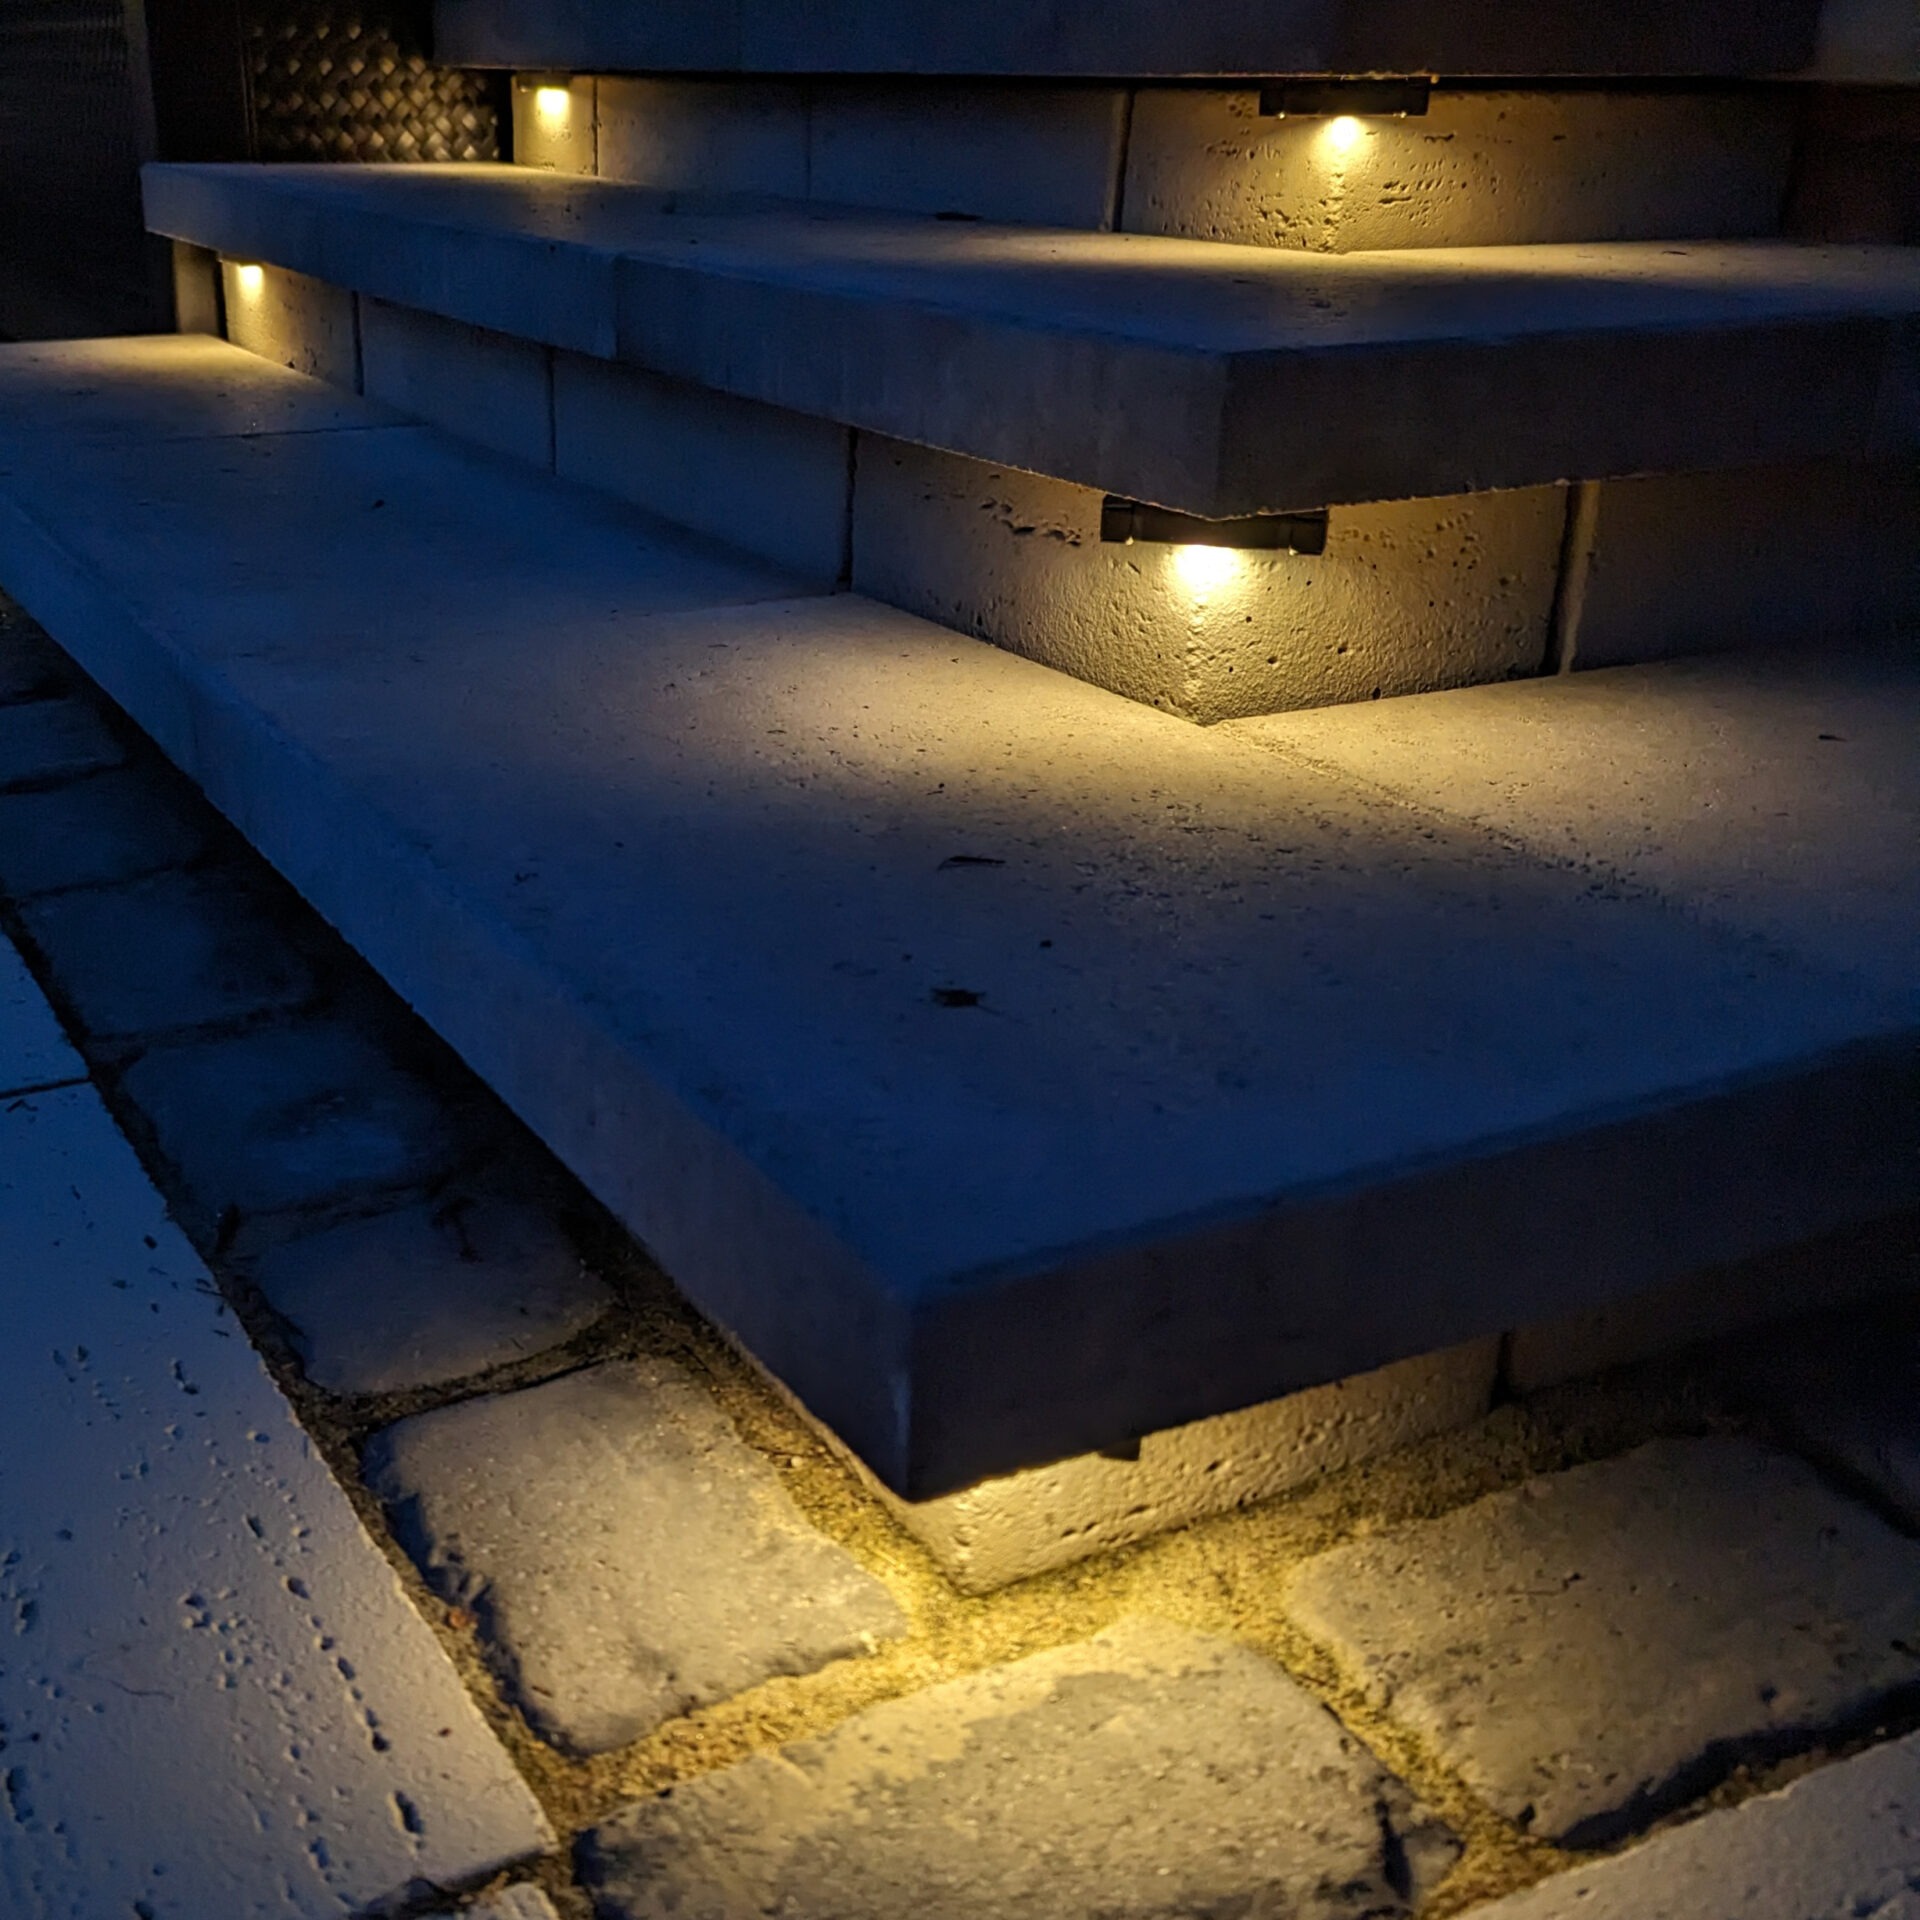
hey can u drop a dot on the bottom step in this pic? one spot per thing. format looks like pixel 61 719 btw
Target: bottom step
pixel 1011 1068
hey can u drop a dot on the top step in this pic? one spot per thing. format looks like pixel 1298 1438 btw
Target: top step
pixel 1215 379
pixel 1134 38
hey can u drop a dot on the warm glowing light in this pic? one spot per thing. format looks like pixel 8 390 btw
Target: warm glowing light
pixel 1342 133
pixel 250 279
pixel 552 103
pixel 1202 568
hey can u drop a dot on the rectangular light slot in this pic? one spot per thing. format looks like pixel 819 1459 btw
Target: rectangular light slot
pixel 1356 99
pixel 1126 520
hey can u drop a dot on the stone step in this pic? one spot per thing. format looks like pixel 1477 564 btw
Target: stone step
pixel 1010 1067
pixel 1139 37
pixel 1212 378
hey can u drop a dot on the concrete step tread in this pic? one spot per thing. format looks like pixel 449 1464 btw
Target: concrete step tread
pixel 1010 1066
pixel 1214 378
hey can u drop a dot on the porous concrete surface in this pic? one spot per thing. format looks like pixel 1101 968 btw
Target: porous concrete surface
pixel 216 1698
pixel 428 1294
pixel 211 952
pixel 1589 1648
pixel 46 740
pixel 1841 1844
pixel 1016 1792
pixel 98 832
pixel 629 1556
pixel 760 478
pixel 553 134
pixel 703 136
pixel 699 890
pixel 296 321
pixel 515 1903
pixel 1480 168
pixel 1410 596
pixel 287 1118
pixel 1213 378
pixel 484 386
pixel 34 1051
pixel 1017 1525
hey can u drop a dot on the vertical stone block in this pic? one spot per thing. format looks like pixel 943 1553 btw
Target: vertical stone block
pixel 293 320
pixel 704 136
pixel 1479 169
pixel 484 386
pixel 555 124
pixel 758 477
pixel 1041 157
pixel 1410 596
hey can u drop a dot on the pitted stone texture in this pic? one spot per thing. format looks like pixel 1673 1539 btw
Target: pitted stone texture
pixel 514 1903
pixel 218 1703
pixel 1409 597
pixel 1840 1844
pixel 703 136
pixel 552 134
pixel 295 321
pixel 1019 1524
pixel 99 832
pixel 42 741
pixel 178 950
pixel 1150 1771
pixel 1479 168
pixel 481 385
pixel 630 1556
pixel 1593 1646
pixel 33 1050
pixel 429 1294
pixel 289 1117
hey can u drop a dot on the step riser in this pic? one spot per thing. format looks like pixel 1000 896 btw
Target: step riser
pixel 1411 596
pixel 1478 169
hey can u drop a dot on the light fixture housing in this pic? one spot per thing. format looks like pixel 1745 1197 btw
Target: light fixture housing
pixel 1364 99
pixel 1123 520
pixel 543 82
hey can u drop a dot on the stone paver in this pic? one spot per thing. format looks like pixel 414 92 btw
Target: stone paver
pixel 215 1698
pixel 1593 1645
pixel 33 1050
pixel 429 1294
pixel 629 1555
pixel 1840 1844
pixel 176 950
pixel 289 1117
pixel 1149 1771
pixel 100 832
pixel 45 740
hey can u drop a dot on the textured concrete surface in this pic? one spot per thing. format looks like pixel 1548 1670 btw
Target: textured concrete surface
pixel 47 740
pixel 1054 38
pixel 428 1294
pixel 1216 379
pixel 1409 597
pixel 1870 40
pixel 629 1556
pixel 216 1698
pixel 1842 1844
pixel 34 1051
pixel 554 121
pixel 703 136
pixel 1591 1647
pixel 100 832
pixel 1478 169
pixel 516 1903
pixel 700 891
pixel 1001 1794
pixel 300 323
pixel 483 386
pixel 210 949
pixel 1007 1528
pixel 288 1117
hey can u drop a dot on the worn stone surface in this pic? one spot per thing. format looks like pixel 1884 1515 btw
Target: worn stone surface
pixel 216 1698
pixel 48 740
pixel 98 832
pixel 1007 1528
pixel 1150 1771
pixel 481 385
pixel 301 323
pixel 554 121
pixel 209 951
pixel 289 1117
pixel 1840 1844
pixel 1595 1645
pixel 703 136
pixel 629 1555
pixel 428 1294
pixel 1409 596
pixel 1479 168
pixel 513 1903
pixel 34 1052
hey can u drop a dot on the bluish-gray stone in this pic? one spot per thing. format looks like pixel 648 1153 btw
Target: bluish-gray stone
pixel 99 832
